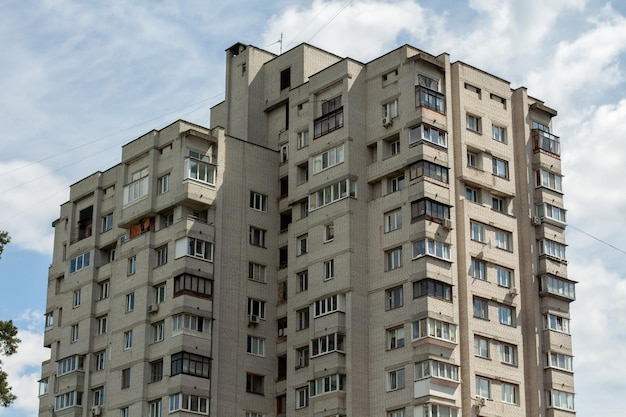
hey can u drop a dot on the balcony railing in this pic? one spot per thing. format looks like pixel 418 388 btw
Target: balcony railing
pixel 546 141
pixel 431 99
pixel 328 122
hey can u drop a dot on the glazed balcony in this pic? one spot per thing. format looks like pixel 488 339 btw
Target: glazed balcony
pixel 546 141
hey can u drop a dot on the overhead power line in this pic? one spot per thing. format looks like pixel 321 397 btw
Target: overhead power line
pixel 598 239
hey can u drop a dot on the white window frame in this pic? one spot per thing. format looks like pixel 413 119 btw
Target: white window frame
pixel 200 168
pixel 503 240
pixel 549 180
pixel 256 308
pixel 76 298
pixel 329 269
pixel 158 332
pixel 257 272
pixel 483 387
pixel 506 315
pixel 396 379
pixel 430 247
pixel 256 346
pixel 302 279
pixel 74 329
pixel 258 201
pixel 132 265
pixel 130 302
pixel 473 123
pixel 560 361
pixel 560 399
pixel 390 109
pixel 393 259
pixel 163 184
pixel 161 255
pixel 303 319
pixel 334 342
pixel 102 324
pixel 509 393
pixel 546 210
pixel 438 329
pixel 200 249
pixel 500 167
pixel 481 347
pixel 303 139
pixel 327 384
pixel 137 188
pixel 302 397
pixel 258 237
pixel 332 304
pixel 393 220
pixel 332 193
pixel 396 183
pixel 394 298
pixel 395 338
pixel 100 360
pixel 478 269
pixel 504 277
pixel 552 249
pixel 481 308
pixel 328 159
pixel 107 222
pixel 80 262
pixel 498 133
pixel 436 369
pixel 557 323
pixel 427 133
pixel 302 245
pixel 329 232
pixel 127 340
pixel 508 354
pixel 477 232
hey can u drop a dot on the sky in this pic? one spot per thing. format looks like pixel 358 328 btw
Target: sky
pixel 78 79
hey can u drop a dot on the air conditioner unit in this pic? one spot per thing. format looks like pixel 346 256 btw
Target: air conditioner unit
pixel 447 223
pixel 481 402
pixel 536 221
pixel 253 319
pixel 387 121
pixel 96 410
pixel 513 292
pixel 153 308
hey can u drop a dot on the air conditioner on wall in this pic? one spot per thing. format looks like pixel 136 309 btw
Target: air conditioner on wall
pixel 536 221
pixel 387 121
pixel 253 319
pixel 96 410
pixel 153 308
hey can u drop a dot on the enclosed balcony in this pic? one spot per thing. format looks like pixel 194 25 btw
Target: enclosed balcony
pixel 434 100
pixel 546 141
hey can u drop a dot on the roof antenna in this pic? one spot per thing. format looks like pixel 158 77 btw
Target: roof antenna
pixel 280 41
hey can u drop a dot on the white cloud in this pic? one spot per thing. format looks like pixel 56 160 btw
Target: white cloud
pixel 24 367
pixel 30 196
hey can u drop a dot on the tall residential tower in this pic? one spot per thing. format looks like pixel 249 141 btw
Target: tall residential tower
pixel 346 239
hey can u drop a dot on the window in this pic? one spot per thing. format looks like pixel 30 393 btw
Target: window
pixel 549 180
pixel 472 194
pixel 544 140
pixel 302 397
pixel 393 298
pixel 200 168
pixel 76 299
pixel 395 338
pixel 43 387
pixel 481 308
pixel 191 364
pixel 156 370
pixel 560 399
pixel 190 323
pixel 326 344
pixel 503 240
pixel 552 249
pixel 258 201
pixel 326 384
pixel 557 286
pixel 390 109
pixel 159 293
pixel 69 399
pixel 256 346
pixel 329 232
pixel 329 305
pixel 256 272
pixel 188 402
pixel 302 357
pixel 498 133
pixel 167 219
pixel 396 183
pixel 253 414
pixel 478 269
pixel 428 169
pixel 161 254
pixel 393 259
pixel 394 147
pixel 71 364
pixel 130 302
pixel 193 285
pixel 430 83
pixel 506 315
pixel 302 279
pixel 499 99
pixel 395 380
pixel 155 408
pixel 432 288
pixel 100 360
pixel 430 327
pixel 132 265
pixel 331 119
pixel 80 262
pixel 427 134
pixel 483 387
pixel 328 159
pixel 560 361
pixel 472 160
pixel 49 319
pixel 158 332
pixel 508 354
pixel 163 184
pixel 254 383
pixel 125 412
pixel 429 98
pixel 128 339
pixel 436 410
pixel 436 369
pixel 102 324
pixel 257 236
pixel 103 290
pixel 281 404
pixel 332 193
pixel 107 222
pixel 430 209
pixel 329 269
pixel 256 308
pixel 473 123
pixel 429 247
pixel 285 78
pixel 509 393
pixel 393 220
pixel 196 248
pixel 504 277
pixel 481 347
pixel 125 378
pixel 473 89
pixel 557 323
pixel 549 211
pixel 302 319
pixel 137 188
pixel 74 333
pixel 303 139
pixel 302 245
pixel 498 204
pixel 500 168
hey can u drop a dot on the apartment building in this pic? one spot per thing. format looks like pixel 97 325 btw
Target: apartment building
pixel 346 239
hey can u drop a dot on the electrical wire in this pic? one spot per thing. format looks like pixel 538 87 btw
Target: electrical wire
pixel 596 238
pixel 330 20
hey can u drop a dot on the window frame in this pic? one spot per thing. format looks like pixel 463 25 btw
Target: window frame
pixel 394 298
